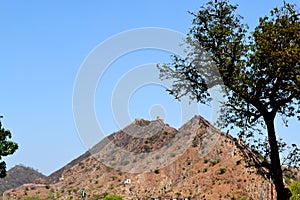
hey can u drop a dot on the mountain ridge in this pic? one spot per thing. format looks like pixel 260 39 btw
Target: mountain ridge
pixel 197 161
pixel 19 175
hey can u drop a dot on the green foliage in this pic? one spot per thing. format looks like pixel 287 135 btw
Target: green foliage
pixel 223 170
pixel 147 148
pixel 233 196
pixel 178 194
pixel 214 162
pixel 258 71
pixel 257 85
pixel 295 189
pixel 112 197
pixel 7 147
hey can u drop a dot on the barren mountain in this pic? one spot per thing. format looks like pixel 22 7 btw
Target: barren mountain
pixel 18 176
pixel 150 158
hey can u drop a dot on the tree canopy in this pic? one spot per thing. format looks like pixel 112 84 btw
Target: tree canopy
pixel 7 147
pixel 258 71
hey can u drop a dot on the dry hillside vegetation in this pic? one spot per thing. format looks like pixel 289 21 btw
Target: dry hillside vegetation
pixel 197 161
pixel 18 176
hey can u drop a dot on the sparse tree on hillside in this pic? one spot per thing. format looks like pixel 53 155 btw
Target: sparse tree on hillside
pixel 259 72
pixel 7 147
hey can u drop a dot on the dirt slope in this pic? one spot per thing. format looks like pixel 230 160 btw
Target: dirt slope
pixel 150 158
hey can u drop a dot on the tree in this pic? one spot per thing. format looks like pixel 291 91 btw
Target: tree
pixel 7 147
pixel 258 72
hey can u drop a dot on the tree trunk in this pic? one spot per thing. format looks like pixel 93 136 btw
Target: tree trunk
pixel 276 171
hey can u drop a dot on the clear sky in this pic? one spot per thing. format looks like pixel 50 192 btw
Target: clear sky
pixel 44 43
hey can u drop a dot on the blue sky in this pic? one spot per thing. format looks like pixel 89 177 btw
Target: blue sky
pixel 43 45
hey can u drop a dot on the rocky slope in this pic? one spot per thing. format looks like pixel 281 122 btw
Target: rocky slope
pixel 18 176
pixel 150 158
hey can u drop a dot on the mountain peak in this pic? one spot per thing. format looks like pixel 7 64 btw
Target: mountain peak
pixel 19 175
pixel 150 158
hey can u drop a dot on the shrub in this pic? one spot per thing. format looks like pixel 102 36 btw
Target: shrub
pixel 147 148
pixel 222 170
pixel 178 194
pixel 108 169
pixel 112 197
pixel 213 162
pixel 233 196
pixel 295 189
pixel 172 155
pixel 195 143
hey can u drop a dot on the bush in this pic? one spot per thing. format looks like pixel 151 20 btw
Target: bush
pixel 112 197
pixel 222 170
pixel 295 189
pixel 147 148
pixel 213 162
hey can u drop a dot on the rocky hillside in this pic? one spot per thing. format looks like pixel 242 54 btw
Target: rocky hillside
pixel 18 176
pixel 54 177
pixel 150 158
